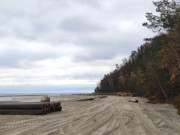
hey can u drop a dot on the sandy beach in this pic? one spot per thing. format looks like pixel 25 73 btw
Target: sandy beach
pixel 103 116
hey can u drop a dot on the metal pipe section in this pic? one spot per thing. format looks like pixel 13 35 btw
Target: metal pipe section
pixel 33 108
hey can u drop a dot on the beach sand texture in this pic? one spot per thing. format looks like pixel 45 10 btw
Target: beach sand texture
pixel 103 116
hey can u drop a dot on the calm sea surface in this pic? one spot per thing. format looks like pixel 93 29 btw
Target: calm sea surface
pixel 36 97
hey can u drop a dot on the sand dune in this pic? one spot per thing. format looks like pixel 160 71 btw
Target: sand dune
pixel 107 116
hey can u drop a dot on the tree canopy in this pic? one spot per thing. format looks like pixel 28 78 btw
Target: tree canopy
pixel 153 70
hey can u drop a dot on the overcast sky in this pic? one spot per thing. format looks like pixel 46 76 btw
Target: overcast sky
pixel 66 44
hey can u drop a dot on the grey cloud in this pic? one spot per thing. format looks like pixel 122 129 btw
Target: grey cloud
pixel 41 20
pixel 92 3
pixel 106 51
pixel 57 22
pixel 79 25
pixel 79 76
pixel 12 57
pixel 95 29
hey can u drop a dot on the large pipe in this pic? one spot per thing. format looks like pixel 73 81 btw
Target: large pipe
pixel 23 112
pixel 58 106
pixel 31 106
pixel 52 106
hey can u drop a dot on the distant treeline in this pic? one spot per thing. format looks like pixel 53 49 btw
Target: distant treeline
pixel 153 70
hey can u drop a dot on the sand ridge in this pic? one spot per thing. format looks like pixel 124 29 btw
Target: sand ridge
pixel 107 116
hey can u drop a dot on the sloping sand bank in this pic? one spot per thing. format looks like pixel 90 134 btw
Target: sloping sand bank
pixel 106 116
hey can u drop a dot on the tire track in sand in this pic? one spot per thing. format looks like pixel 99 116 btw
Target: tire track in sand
pixel 39 124
pixel 110 116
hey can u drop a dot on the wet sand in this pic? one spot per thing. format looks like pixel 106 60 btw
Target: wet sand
pixel 103 116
